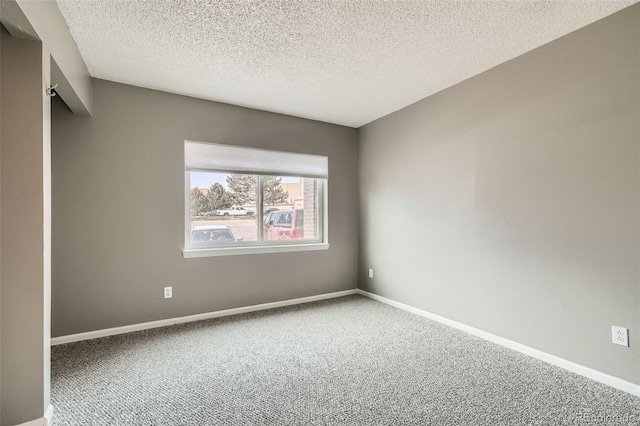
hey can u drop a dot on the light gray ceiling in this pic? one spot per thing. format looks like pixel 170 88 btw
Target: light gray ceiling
pixel 339 61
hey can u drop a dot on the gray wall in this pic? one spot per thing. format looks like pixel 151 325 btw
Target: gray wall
pixel 510 202
pixel 118 211
pixel 24 356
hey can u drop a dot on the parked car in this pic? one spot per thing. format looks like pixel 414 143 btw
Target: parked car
pixel 271 209
pixel 286 225
pixel 267 223
pixel 211 213
pixel 235 211
pixel 212 234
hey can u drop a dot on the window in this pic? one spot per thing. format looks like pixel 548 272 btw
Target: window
pixel 285 218
pixel 244 200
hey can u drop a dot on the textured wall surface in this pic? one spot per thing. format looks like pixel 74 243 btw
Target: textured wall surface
pixel 118 211
pixel 510 202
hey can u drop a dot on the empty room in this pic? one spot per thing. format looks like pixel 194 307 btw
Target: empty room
pixel 332 212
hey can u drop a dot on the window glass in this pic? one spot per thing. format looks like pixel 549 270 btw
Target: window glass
pixel 284 218
pixel 223 208
pixel 268 220
pixel 214 234
pixel 297 200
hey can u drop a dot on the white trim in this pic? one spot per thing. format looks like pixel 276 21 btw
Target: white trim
pixel 187 207
pixel 42 421
pixel 587 372
pixel 48 415
pixel 259 208
pixel 231 251
pixel 191 318
pixel 323 222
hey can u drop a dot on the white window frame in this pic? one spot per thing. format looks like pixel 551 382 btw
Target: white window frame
pixel 260 246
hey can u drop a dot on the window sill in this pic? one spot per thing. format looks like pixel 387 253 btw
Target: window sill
pixel 232 251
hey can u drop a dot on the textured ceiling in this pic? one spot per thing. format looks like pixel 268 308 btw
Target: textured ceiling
pixel 339 61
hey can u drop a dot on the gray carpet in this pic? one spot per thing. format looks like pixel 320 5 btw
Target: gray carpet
pixel 351 361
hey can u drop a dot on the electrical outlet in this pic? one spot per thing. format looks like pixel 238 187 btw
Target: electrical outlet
pixel 370 272
pixel 620 335
pixel 168 292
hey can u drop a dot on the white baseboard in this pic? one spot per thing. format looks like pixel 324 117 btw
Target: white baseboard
pixel 587 372
pixel 42 421
pixel 191 318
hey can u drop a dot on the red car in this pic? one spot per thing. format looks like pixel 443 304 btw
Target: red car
pixel 269 217
pixel 285 225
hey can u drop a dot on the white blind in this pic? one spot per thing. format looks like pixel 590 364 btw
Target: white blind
pixel 209 156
